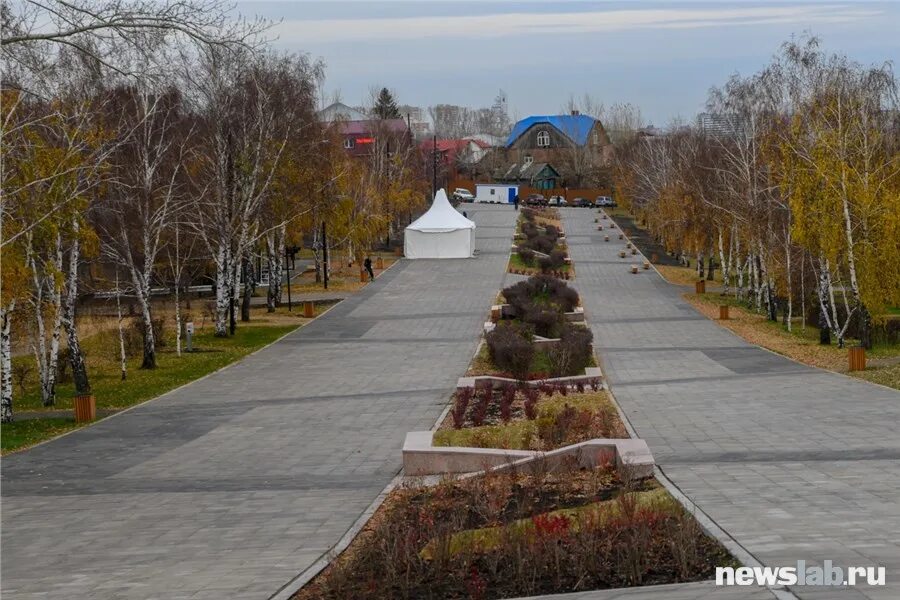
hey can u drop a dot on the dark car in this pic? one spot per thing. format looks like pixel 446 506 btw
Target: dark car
pixel 535 200
pixel 584 202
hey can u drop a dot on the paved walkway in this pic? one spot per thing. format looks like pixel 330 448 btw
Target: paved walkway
pixel 793 462
pixel 231 486
pixel 705 590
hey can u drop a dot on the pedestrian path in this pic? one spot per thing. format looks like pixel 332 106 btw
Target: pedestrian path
pixel 793 462
pixel 705 590
pixel 231 486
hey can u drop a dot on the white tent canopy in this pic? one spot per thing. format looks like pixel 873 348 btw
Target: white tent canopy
pixel 440 233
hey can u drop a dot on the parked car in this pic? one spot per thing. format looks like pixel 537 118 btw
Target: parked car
pixel 582 202
pixel 463 195
pixel 606 201
pixel 535 200
pixel 557 201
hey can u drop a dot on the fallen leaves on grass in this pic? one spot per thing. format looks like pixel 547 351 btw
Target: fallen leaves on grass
pixel 756 329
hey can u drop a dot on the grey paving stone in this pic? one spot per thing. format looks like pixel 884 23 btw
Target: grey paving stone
pixel 793 462
pixel 681 591
pixel 229 487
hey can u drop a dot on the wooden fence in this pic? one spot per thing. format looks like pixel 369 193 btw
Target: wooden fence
pixel 525 190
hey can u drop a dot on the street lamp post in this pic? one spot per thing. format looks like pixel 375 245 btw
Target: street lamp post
pixel 287 275
pixel 434 167
pixel 324 255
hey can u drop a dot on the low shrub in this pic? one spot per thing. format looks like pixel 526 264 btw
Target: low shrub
pixel 530 230
pixel 542 243
pixel 511 349
pixel 507 397
pixel 573 352
pixel 552 263
pixel 541 289
pixel 555 429
pixel 463 398
pixel 513 535
pixel 527 255
pixel 482 403
pixel 531 399
pixel 546 322
pixel 573 425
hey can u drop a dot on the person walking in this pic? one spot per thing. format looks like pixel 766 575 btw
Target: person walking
pixel 368 266
pixel 516 202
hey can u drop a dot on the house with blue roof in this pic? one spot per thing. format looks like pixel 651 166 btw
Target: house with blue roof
pixel 552 151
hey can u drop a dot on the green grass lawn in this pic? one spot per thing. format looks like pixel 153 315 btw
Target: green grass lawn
pixel 516 262
pixel 211 353
pixel 21 434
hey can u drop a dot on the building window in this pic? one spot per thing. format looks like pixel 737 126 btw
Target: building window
pixel 529 159
pixel 543 139
pixel 348 143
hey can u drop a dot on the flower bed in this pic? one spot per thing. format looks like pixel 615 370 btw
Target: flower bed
pixel 517 534
pixel 540 245
pixel 541 367
pixel 540 306
pixel 542 418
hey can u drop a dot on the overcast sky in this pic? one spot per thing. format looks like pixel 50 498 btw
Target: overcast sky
pixel 661 56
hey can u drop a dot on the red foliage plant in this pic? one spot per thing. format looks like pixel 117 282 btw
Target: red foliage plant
pixel 463 398
pixel 550 526
pixel 507 397
pixel 531 399
pixel 476 586
pixel 479 414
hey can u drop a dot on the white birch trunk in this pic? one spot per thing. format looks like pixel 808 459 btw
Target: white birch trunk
pixel 177 320
pixel 803 291
pixel 123 361
pixel 223 289
pixel 76 356
pixel 47 357
pixel 6 388
pixel 787 266
pixel 275 257
pixel 726 264
pixel 142 287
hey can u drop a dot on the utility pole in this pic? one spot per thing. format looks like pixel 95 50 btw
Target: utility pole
pixel 324 255
pixel 434 168
pixel 287 275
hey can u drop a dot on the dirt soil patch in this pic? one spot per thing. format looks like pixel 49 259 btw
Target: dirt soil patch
pixel 642 239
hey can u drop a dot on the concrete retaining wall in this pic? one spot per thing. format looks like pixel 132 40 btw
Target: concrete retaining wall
pixel 632 457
